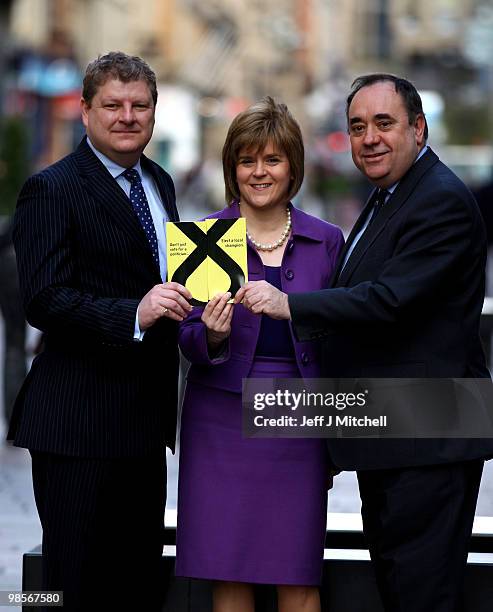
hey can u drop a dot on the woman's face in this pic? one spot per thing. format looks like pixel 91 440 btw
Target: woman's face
pixel 263 177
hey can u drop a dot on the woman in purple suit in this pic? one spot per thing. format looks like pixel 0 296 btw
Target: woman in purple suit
pixel 253 510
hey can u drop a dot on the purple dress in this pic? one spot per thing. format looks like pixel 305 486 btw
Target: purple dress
pixel 249 510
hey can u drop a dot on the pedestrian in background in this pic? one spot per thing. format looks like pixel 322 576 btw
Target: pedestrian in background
pixel 14 323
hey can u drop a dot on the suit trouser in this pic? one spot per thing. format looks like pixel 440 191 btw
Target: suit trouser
pixel 418 523
pixel 103 528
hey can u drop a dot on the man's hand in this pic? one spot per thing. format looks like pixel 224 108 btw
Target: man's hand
pixel 217 317
pixel 165 300
pixel 262 298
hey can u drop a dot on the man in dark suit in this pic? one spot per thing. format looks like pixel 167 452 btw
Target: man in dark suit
pixel 99 404
pixel 405 301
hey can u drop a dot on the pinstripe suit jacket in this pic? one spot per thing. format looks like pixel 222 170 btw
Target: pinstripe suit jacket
pixel 84 265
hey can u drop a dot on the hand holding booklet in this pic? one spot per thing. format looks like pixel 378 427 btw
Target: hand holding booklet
pixel 207 257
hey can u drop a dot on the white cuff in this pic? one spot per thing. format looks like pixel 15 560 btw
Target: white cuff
pixel 138 335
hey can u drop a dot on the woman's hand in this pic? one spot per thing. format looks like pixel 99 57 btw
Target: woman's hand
pixel 217 317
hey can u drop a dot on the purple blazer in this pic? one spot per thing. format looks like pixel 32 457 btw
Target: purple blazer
pixel 307 265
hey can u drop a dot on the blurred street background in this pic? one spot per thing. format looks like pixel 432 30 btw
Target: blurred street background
pixel 213 58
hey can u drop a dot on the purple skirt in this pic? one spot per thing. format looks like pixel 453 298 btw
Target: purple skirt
pixel 249 510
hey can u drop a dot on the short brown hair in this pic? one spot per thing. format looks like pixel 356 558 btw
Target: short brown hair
pixel 120 66
pixel 254 128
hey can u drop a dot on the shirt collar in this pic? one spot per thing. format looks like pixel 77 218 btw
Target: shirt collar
pixel 113 168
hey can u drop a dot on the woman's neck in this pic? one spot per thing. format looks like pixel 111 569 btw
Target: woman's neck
pixel 265 221
pixel 267 226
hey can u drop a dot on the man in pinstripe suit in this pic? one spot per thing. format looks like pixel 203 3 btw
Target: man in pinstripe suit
pixel 99 404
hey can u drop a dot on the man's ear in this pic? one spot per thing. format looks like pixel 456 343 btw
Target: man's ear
pixel 419 129
pixel 84 108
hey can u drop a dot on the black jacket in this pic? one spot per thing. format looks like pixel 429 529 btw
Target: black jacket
pixel 406 305
pixel 84 265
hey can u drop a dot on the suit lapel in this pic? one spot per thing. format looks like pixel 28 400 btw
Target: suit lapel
pixel 404 189
pixel 352 235
pixel 104 188
pixel 163 188
pixel 367 239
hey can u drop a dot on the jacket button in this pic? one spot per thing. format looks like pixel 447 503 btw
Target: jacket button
pixel 304 358
pixel 289 274
pixel 290 247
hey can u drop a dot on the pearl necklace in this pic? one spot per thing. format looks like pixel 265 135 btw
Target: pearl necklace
pixel 274 245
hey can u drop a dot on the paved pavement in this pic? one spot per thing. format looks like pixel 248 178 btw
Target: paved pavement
pixel 19 524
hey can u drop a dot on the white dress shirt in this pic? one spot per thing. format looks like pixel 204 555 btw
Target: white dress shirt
pixel 156 207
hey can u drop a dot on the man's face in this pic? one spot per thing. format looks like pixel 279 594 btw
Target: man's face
pixel 119 120
pixel 383 144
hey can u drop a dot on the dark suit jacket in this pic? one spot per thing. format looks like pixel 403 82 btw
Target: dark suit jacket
pixel 84 265
pixel 407 304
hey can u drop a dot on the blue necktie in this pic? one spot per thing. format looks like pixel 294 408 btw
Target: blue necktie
pixel 141 206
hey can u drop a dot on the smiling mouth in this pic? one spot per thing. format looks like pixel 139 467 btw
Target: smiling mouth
pixel 261 186
pixel 374 156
